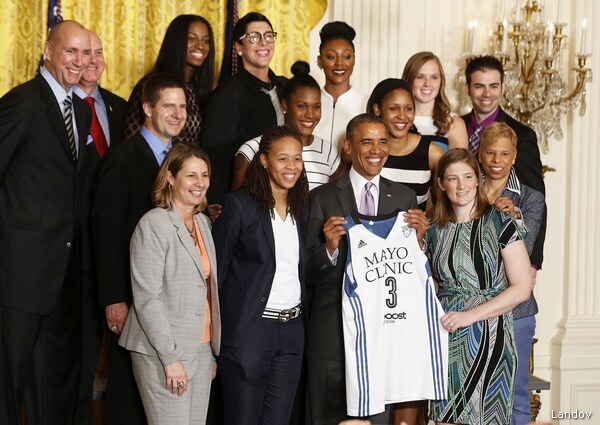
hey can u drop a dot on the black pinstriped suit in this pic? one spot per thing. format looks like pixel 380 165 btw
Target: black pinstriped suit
pixel 121 197
pixel 236 112
pixel 41 213
pixel 92 322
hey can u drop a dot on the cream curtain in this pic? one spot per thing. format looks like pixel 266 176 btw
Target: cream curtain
pixel 132 31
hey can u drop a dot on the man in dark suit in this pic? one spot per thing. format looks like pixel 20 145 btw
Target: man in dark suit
pixel 485 86
pixel 366 144
pixel 43 130
pixel 122 195
pixel 108 111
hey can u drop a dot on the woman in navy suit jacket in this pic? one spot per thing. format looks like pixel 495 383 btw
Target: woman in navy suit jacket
pixel 261 254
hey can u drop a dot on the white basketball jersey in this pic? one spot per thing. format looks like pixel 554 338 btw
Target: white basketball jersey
pixel 396 349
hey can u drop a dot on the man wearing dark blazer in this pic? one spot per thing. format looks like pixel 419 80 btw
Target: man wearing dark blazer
pixel 108 111
pixel 366 143
pixel 121 196
pixel 485 86
pixel 43 160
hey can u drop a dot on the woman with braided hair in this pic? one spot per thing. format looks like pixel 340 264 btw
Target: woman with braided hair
pixel 261 252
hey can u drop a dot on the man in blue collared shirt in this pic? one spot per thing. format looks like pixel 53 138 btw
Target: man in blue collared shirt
pixel 121 196
pixel 43 128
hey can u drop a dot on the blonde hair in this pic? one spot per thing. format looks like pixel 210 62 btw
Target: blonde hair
pixel 497 130
pixel 162 194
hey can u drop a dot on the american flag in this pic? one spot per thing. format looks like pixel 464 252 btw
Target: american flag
pixel 229 64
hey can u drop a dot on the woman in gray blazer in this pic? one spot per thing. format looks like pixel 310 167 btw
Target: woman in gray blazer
pixel 173 327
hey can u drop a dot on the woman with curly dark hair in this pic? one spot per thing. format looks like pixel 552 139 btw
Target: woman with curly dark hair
pixel 261 253
pixel 187 52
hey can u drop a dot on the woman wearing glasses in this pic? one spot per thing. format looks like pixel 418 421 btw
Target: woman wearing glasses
pixel 244 106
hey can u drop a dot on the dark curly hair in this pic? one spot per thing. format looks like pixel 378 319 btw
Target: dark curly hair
pixel 365 118
pixel 300 80
pixel 257 181
pixel 484 63
pixel 336 30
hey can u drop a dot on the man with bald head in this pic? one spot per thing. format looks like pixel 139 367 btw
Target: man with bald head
pixel 108 111
pixel 43 159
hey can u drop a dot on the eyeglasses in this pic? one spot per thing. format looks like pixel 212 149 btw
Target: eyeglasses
pixel 254 37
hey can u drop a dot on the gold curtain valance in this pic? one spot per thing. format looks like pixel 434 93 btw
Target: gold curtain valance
pixel 132 32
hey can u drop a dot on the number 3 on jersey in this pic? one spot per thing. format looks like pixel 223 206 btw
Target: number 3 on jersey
pixel 392 301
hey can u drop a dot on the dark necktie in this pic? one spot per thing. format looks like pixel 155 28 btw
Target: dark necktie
pixel 475 139
pixel 96 129
pixel 164 155
pixel 68 117
pixel 367 202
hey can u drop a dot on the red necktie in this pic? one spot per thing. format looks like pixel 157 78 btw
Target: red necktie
pixel 97 133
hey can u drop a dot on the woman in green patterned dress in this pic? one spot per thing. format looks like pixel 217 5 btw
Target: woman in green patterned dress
pixel 482 268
